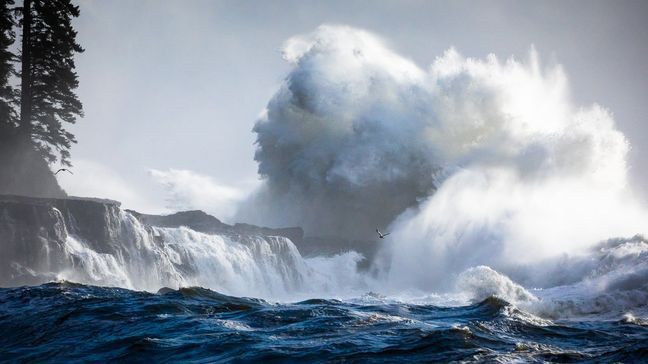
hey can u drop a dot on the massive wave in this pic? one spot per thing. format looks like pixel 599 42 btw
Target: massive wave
pixel 473 162
pixel 341 144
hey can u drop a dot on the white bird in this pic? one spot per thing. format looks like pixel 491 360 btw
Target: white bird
pixel 63 169
pixel 381 235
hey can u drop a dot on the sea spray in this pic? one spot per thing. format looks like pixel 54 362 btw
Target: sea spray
pixel 473 162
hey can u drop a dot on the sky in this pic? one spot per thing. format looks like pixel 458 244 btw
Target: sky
pixel 172 89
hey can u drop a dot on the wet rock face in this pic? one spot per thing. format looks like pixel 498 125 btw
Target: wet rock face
pixel 88 218
pixel 27 234
pixel 202 222
pixel 196 220
pixel 95 221
pixel 33 232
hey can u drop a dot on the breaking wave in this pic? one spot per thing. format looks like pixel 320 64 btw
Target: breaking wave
pixel 492 180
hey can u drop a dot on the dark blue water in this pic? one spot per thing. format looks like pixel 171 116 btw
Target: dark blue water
pixel 64 322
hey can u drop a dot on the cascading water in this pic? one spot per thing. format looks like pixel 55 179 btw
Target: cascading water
pixel 128 253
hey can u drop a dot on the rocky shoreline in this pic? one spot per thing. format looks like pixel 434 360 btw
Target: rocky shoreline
pixel 34 232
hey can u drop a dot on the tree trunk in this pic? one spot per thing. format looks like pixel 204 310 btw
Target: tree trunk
pixel 25 72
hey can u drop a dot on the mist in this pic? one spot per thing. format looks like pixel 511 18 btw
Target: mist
pixel 358 135
pixel 25 172
pixel 486 172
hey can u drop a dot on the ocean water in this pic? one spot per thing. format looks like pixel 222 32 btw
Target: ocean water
pixel 68 322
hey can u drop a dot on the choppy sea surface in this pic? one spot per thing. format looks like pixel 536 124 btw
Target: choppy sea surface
pixel 67 322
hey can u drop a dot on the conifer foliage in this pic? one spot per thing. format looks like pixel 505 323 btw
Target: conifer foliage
pixel 7 58
pixel 47 76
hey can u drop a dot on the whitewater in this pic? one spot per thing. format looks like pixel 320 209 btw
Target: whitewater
pixel 609 280
pixel 150 258
pixel 515 234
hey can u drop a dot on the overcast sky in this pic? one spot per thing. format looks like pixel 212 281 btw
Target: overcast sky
pixel 179 84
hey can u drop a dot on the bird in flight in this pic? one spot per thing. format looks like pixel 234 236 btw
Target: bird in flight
pixel 381 235
pixel 63 169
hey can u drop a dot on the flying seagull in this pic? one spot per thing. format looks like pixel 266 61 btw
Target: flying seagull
pixel 381 235
pixel 63 169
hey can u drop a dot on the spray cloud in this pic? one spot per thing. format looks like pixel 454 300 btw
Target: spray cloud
pixel 341 143
pixel 473 162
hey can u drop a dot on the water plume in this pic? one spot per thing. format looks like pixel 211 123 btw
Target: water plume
pixel 340 144
pixel 472 161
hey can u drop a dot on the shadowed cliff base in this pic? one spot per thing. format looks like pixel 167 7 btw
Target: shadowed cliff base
pixel 25 172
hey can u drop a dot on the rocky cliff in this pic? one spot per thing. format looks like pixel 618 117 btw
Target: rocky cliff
pixel 94 241
pixel 202 222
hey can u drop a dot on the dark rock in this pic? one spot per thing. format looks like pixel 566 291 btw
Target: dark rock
pixel 33 231
pixel 166 290
pixel 196 220
pixel 202 222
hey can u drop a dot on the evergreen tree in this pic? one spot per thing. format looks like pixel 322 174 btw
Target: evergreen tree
pixel 48 76
pixel 7 58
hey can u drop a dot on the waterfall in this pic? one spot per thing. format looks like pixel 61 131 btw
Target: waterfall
pixel 97 243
